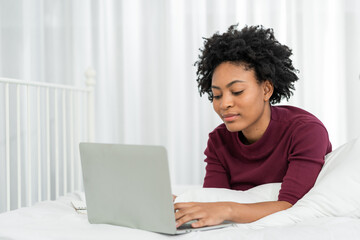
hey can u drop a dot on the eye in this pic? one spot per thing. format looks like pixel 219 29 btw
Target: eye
pixel 238 93
pixel 216 96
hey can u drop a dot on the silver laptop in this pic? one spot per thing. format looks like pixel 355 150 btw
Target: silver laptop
pixel 129 185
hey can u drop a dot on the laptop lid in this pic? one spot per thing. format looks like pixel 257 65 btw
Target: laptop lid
pixel 128 185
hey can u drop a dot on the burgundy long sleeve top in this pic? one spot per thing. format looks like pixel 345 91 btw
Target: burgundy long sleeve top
pixel 291 151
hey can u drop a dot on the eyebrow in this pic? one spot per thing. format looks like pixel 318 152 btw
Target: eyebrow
pixel 229 84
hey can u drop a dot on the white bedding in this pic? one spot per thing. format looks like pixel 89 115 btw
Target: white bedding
pixel 59 220
pixel 330 210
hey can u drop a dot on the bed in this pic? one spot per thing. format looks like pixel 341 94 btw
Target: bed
pixel 40 177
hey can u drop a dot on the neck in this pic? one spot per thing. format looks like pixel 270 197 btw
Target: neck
pixel 254 132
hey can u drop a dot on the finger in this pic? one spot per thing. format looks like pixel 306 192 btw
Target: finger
pixel 189 217
pixel 178 206
pixel 189 209
pixel 174 197
pixel 201 223
pixel 206 221
pixel 184 211
pixel 185 219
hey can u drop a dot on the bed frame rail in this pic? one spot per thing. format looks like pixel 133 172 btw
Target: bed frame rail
pixel 43 124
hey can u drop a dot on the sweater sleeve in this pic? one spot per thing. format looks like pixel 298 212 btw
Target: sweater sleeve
pixel 308 147
pixel 216 175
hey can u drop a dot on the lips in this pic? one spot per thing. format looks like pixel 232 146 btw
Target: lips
pixel 230 117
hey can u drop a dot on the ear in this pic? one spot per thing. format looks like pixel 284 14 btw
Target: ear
pixel 268 90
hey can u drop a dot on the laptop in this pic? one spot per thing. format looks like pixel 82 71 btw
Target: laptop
pixel 129 185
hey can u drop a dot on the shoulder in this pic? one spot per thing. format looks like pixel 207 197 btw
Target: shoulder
pixel 303 127
pixel 220 135
pixel 219 129
pixel 294 117
pixel 220 132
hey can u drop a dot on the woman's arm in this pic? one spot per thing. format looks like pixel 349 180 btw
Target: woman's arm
pixel 215 213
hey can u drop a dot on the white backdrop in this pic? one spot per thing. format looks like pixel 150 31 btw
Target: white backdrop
pixel 144 52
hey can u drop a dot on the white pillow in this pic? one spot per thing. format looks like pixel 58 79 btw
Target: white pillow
pixel 266 192
pixel 336 191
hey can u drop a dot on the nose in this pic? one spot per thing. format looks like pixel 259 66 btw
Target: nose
pixel 227 101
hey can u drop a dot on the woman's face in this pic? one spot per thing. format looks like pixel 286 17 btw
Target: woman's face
pixel 240 101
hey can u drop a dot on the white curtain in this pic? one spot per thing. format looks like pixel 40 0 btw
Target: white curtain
pixel 143 52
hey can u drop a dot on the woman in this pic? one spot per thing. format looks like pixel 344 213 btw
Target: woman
pixel 245 72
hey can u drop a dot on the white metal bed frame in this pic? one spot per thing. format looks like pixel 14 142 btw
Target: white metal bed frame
pixel 71 111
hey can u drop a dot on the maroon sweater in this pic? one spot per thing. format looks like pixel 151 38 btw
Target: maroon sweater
pixel 291 151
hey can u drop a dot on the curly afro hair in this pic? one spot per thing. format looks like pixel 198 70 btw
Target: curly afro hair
pixel 257 48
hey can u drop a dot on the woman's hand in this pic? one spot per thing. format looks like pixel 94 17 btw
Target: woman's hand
pixel 214 213
pixel 207 214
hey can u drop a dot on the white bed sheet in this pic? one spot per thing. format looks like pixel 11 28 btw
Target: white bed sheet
pixel 58 220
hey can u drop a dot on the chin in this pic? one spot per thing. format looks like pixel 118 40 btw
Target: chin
pixel 232 127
